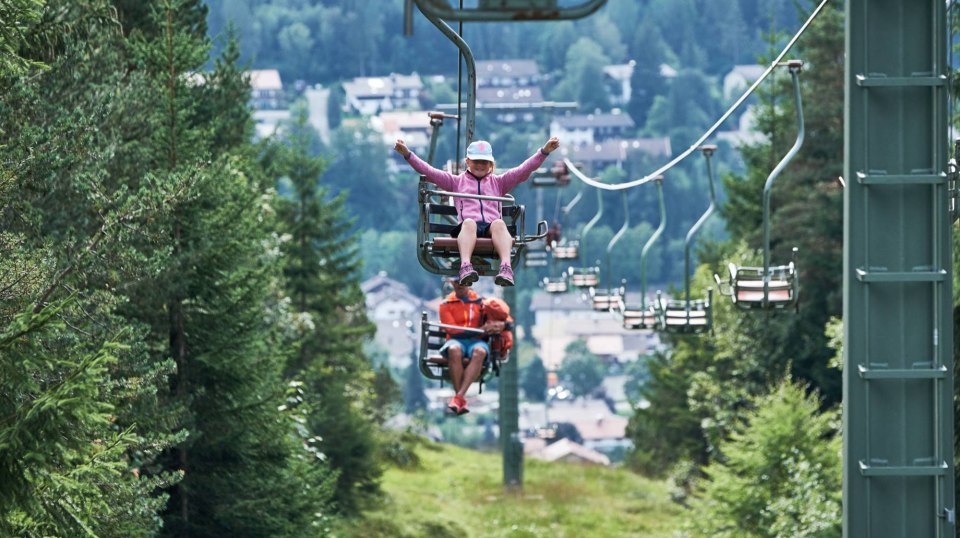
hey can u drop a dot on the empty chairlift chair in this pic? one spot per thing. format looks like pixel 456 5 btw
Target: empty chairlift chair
pixel 537 251
pixel 769 287
pixel 647 315
pixel 560 249
pixel 588 276
pixel 609 298
pixel 686 315
pixel 434 366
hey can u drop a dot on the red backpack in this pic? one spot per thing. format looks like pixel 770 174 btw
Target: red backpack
pixel 497 310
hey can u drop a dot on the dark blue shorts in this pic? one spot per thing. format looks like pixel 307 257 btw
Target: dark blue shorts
pixel 483 229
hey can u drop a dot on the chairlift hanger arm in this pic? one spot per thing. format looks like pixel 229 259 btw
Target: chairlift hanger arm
pixel 794 66
pixel 509 10
pixel 708 151
pixel 567 208
pixel 653 239
pixel 468 59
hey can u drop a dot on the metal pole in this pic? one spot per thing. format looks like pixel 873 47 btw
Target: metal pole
pixel 794 67
pixel 510 439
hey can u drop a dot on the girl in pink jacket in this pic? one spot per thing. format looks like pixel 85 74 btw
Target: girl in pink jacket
pixel 480 218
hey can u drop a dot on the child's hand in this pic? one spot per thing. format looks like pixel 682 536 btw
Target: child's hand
pixel 402 148
pixel 551 145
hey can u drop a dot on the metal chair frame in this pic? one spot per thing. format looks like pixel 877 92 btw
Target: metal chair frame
pixel 767 287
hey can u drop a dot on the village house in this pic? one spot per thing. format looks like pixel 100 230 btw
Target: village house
pixel 370 95
pixel 614 152
pixel 739 79
pixel 268 101
pixel 396 313
pixel 412 126
pixel 561 319
pixel 266 90
pixel 582 129
pixel 507 73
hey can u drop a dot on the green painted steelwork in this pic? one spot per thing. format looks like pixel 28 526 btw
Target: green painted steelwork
pixel 510 10
pixel 653 239
pixel 898 457
pixel 471 114
pixel 510 439
pixel 693 316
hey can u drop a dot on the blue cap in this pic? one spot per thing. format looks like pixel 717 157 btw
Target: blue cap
pixel 481 150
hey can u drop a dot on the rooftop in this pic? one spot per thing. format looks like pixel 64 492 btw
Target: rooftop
pixel 265 79
pixel 507 68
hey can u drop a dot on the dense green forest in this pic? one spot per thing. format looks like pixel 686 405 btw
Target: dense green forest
pixel 175 360
pixel 181 323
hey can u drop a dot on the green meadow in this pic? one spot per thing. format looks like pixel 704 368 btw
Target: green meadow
pixel 459 493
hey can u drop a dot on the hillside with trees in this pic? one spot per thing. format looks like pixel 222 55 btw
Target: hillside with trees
pixel 181 319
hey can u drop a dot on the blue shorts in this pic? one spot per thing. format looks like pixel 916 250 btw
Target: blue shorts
pixel 468 345
pixel 483 229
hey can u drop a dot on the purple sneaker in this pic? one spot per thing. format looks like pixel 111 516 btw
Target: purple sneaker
pixel 468 275
pixel 505 276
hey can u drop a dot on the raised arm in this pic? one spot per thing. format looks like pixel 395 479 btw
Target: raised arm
pixel 444 180
pixel 513 177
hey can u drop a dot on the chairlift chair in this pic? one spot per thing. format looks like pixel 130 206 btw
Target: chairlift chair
pixel 770 287
pixel 587 277
pixel 561 249
pixel 556 285
pixel 433 365
pixel 604 300
pixel 686 315
pixel 439 253
pixel 558 176
pixel 647 315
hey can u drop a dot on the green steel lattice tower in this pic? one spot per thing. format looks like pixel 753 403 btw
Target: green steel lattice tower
pixel 898 464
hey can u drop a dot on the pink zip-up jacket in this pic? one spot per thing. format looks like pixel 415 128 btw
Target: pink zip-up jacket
pixel 489 185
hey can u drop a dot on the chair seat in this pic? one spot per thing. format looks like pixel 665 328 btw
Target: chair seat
pixel 681 322
pixel 448 245
pixel 773 296
pixel 758 284
pixel 439 360
pixel 682 314
pixel 584 281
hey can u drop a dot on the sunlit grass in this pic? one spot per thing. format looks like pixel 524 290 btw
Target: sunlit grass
pixel 459 493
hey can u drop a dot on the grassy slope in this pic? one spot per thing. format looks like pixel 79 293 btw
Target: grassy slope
pixel 459 493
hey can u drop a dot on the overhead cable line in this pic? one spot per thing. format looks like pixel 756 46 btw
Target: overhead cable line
pixel 777 62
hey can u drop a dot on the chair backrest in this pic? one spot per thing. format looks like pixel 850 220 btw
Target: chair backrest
pixel 434 366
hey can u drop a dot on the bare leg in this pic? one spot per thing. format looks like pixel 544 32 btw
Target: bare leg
pixel 473 370
pixel 455 366
pixel 467 240
pixel 502 241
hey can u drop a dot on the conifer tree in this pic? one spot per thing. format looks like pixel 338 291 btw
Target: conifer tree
pixel 69 359
pixel 321 268
pixel 779 474
pixel 207 306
